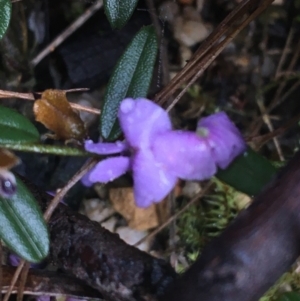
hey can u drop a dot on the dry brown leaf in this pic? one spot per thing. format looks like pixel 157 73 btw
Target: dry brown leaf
pixel 242 200
pixel 137 218
pixel 54 111
pixel 8 159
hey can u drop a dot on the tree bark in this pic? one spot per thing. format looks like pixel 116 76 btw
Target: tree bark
pixel 101 259
pixel 253 252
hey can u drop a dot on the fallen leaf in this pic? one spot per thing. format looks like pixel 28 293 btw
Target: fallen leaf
pixel 56 114
pixel 137 218
pixel 242 200
pixel 132 236
pixel 8 159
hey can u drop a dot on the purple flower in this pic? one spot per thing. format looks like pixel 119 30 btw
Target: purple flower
pixel 158 155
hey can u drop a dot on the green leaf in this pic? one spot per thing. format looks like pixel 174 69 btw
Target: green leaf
pixel 249 173
pixel 59 150
pixel 22 225
pixel 5 12
pixel 15 128
pixel 119 12
pixel 289 296
pixel 131 78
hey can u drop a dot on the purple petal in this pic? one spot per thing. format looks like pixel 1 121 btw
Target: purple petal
pixel 107 170
pixel 185 155
pixel 151 182
pixel 14 261
pixel 141 119
pixel 85 180
pixel 105 148
pixel 52 193
pixel 219 119
pixel 224 139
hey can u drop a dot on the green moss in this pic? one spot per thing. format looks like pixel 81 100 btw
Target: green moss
pixel 206 219
pixel 288 282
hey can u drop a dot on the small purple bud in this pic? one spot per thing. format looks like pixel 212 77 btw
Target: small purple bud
pixel 8 185
pixel 223 138
pixel 14 261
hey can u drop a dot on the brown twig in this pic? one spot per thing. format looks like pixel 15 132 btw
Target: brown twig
pixel 62 192
pixel 68 31
pixel 23 278
pixel 284 53
pixel 260 97
pixel 259 141
pixel 29 96
pixel 257 123
pixel 14 280
pixel 205 60
pixel 275 101
pixel 267 120
pixel 172 224
pixel 163 54
pixel 244 13
pixel 41 282
pixel 176 215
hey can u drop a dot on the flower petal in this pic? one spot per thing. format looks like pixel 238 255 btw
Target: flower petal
pixel 151 182
pixel 105 148
pixel 141 119
pixel 185 155
pixel 85 180
pixel 224 138
pixel 107 170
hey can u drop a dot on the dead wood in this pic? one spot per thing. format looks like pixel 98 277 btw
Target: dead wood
pixel 86 250
pixel 253 252
pixel 41 282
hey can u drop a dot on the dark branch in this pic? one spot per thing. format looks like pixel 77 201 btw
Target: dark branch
pixel 253 252
pixel 101 259
pixel 49 283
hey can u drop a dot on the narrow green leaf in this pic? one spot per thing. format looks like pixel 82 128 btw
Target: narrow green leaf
pixel 131 78
pixel 249 173
pixel 119 12
pixel 39 148
pixel 5 12
pixel 22 226
pixel 289 296
pixel 15 128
